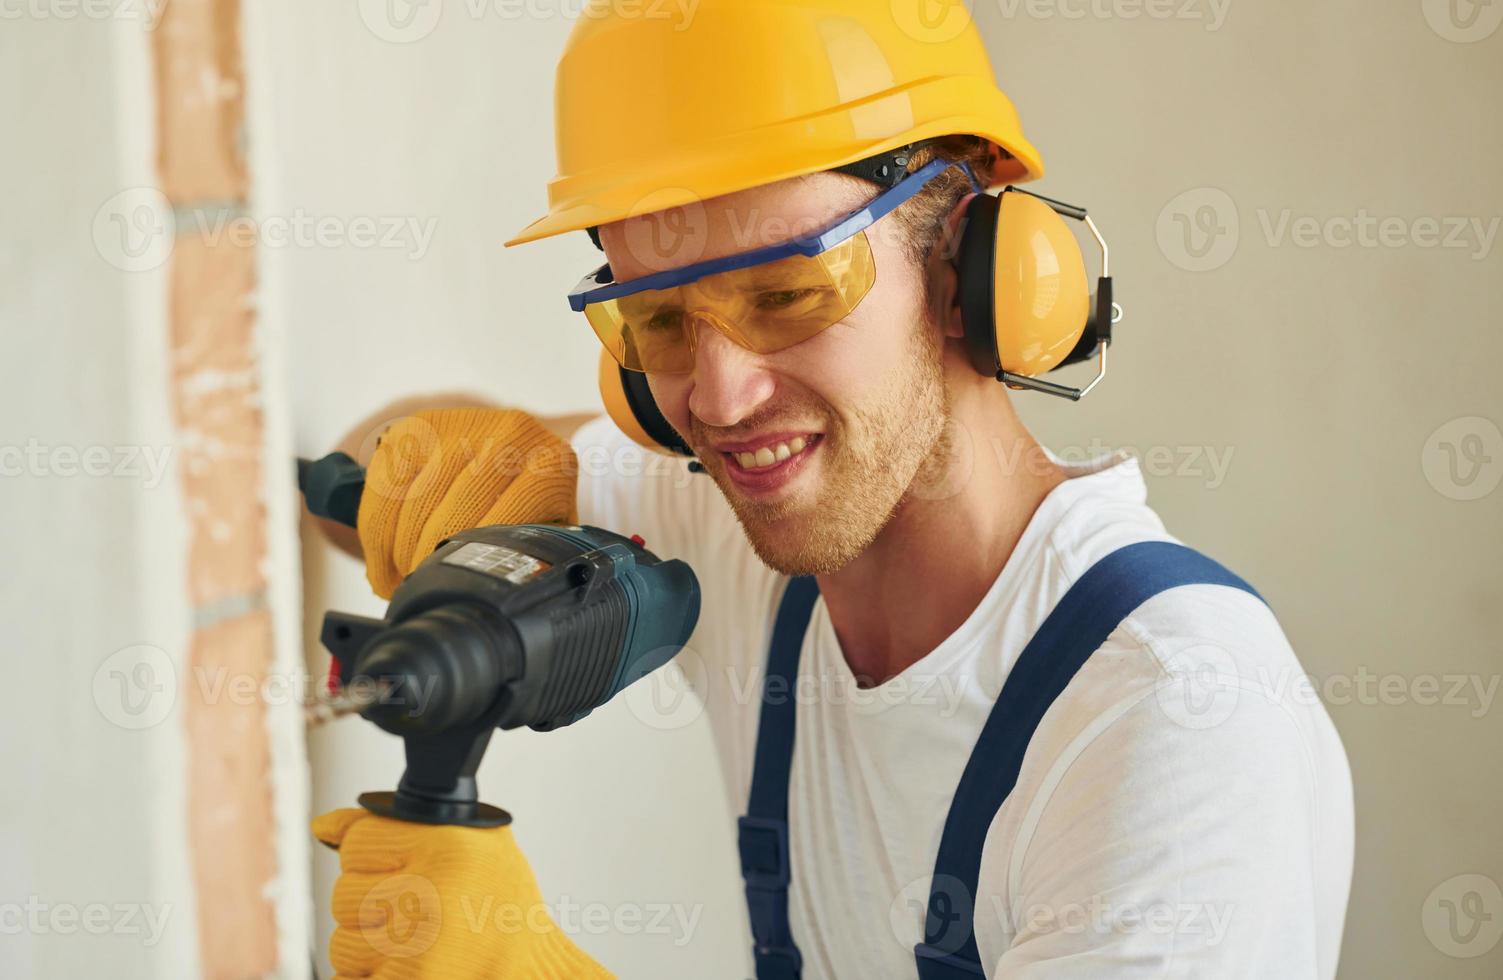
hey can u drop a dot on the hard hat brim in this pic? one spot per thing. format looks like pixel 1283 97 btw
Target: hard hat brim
pixel 790 149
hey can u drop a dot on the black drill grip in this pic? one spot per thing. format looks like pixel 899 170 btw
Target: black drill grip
pixel 332 486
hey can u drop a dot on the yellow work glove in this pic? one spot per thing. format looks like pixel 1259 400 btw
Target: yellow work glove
pixel 440 903
pixel 447 470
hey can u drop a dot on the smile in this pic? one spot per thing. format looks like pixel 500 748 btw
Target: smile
pixel 768 463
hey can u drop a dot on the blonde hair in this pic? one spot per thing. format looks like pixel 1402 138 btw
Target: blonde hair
pixel 922 217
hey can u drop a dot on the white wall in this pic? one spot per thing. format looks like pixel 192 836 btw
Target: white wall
pixel 1325 375
pixel 92 834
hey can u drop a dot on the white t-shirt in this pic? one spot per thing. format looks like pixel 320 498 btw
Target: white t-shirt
pixel 1177 814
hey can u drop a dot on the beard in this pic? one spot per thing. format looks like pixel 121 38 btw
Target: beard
pixel 873 459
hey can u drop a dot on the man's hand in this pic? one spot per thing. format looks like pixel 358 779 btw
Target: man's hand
pixel 420 902
pixel 443 471
pixel 360 442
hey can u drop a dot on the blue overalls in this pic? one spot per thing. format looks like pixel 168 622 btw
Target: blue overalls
pixel 1076 628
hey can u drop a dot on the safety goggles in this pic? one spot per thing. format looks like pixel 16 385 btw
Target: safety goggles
pixel 765 300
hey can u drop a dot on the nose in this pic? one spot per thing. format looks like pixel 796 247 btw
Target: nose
pixel 729 381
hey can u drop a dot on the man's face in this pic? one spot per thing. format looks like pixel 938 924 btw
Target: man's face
pixel 815 445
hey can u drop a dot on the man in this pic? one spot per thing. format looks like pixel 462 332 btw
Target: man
pixel 1172 814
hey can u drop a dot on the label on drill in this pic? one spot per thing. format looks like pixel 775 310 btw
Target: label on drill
pixel 509 564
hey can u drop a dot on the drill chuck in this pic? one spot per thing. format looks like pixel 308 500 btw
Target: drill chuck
pixel 438 670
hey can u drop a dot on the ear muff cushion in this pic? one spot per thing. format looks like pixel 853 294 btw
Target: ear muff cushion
pixel 974 267
pixel 1041 298
pixel 628 401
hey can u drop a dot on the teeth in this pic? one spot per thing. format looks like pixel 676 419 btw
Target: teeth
pixel 771 455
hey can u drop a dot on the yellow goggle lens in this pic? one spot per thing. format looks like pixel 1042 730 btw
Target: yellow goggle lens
pixel 764 308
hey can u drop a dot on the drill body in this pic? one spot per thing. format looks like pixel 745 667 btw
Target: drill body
pixel 505 626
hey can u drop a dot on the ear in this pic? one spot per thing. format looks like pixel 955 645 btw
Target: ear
pixel 943 277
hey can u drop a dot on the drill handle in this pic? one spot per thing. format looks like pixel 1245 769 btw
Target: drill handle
pixel 439 784
pixel 332 487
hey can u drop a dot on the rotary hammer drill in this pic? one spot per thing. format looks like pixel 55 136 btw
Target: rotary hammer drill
pixel 504 626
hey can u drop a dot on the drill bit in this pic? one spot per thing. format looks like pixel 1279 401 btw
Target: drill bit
pixel 352 699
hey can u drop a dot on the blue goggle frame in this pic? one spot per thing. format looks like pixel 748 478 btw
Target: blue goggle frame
pixel 598 286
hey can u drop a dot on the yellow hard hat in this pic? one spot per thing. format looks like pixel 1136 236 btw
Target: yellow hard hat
pixel 660 105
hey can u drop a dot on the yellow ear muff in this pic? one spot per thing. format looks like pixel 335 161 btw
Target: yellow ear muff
pixel 1041 296
pixel 628 401
pixel 1023 291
